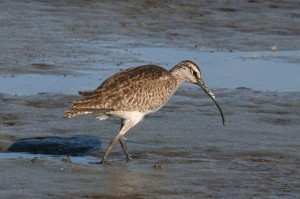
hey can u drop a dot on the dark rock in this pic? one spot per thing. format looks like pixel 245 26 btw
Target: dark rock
pixel 74 146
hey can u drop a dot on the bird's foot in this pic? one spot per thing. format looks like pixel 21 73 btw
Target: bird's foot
pixel 128 159
pixel 128 156
pixel 103 161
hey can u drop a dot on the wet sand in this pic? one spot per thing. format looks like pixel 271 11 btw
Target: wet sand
pixel 181 151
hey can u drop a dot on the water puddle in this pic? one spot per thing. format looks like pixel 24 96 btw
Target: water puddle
pixel 262 70
pixel 266 70
pixel 31 84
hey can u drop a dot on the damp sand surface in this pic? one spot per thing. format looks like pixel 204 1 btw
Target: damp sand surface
pixel 181 151
pixel 49 51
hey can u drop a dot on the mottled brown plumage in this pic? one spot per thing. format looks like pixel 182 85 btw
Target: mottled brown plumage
pixel 135 92
pixel 129 90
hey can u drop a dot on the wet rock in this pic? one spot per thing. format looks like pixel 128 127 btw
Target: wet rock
pixel 157 166
pixel 67 159
pixel 33 160
pixel 74 146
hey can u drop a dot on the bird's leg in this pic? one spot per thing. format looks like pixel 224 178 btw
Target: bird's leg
pixel 111 146
pixel 124 147
pixel 126 125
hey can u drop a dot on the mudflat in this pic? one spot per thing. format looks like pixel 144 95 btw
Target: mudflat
pixel 181 151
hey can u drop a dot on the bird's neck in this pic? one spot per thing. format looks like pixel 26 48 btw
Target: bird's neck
pixel 176 74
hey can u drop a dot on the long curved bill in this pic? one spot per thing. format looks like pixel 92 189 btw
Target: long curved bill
pixel 201 83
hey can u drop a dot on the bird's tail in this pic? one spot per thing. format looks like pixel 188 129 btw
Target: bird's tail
pixel 72 112
pixel 85 93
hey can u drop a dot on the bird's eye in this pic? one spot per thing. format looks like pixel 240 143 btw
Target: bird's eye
pixel 195 74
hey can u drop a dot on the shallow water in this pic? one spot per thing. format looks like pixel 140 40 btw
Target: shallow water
pixel 273 71
pixel 49 51
pixel 181 151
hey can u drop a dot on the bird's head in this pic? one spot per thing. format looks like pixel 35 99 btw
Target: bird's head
pixel 188 71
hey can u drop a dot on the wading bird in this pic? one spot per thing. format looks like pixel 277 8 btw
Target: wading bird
pixel 135 92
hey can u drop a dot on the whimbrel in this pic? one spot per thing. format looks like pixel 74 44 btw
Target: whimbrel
pixel 135 92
